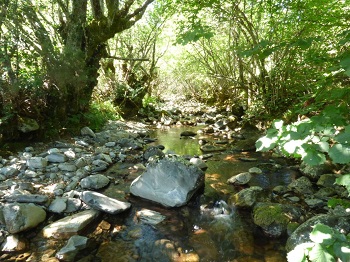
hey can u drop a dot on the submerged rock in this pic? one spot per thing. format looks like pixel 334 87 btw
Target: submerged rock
pixel 71 249
pixel 274 218
pixel 169 182
pixel 104 203
pixel 302 234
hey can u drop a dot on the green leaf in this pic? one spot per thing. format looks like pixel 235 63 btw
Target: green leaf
pixel 340 153
pixel 344 180
pixel 322 234
pixel 322 146
pixel 343 137
pixel 333 202
pixel 320 254
pixel 342 250
pixel 312 157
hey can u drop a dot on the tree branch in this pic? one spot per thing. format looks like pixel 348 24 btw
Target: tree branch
pixel 128 58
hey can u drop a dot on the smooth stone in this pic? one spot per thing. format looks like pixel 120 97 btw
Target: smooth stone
pixel 169 182
pixel 71 249
pixel 56 158
pixel 148 216
pixel 103 203
pixel 19 217
pixel 86 131
pixel 37 162
pixel 210 148
pixel 27 198
pixel 70 225
pixel 58 205
pixel 94 182
pixel 67 167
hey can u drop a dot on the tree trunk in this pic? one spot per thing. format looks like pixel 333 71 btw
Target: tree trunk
pixel 74 74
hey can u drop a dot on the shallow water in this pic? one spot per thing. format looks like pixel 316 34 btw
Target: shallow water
pixel 204 230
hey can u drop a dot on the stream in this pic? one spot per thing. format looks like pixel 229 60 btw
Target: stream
pixel 206 229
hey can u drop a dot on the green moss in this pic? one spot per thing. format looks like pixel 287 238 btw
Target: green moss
pixel 267 214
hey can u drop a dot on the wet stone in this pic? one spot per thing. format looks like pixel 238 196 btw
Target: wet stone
pixel 240 179
pixel 148 216
pixel 103 203
pixel 71 249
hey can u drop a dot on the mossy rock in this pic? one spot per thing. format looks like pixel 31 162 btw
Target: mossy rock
pixel 274 218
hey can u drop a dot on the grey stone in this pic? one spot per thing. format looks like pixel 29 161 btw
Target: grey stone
pixel 56 158
pixel 148 216
pixel 255 170
pixel 94 182
pixel 70 225
pixel 30 173
pixel 37 162
pixel 240 179
pixel 26 124
pixel 27 198
pixel 73 205
pixel 19 217
pixel 199 163
pixel 169 182
pixel 103 203
pixel 153 151
pixel 58 205
pixel 67 167
pixel 246 197
pixel 302 233
pixel 86 131
pixel 71 249
pixel 9 171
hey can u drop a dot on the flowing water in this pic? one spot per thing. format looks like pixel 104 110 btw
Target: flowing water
pixel 206 229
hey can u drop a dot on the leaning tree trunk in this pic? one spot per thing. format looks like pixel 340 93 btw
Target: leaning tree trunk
pixel 74 74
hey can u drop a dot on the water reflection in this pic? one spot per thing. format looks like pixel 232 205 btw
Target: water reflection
pixel 206 229
pixel 171 140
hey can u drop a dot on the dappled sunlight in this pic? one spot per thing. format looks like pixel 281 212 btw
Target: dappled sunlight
pixel 231 158
pixel 213 177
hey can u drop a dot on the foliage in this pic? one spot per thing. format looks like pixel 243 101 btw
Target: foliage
pixel 314 139
pixel 327 245
pixel 100 112
pixel 333 202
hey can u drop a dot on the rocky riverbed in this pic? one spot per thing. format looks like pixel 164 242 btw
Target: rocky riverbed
pixel 71 200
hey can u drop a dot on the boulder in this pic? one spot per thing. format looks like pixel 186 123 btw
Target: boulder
pixel 246 197
pixel 26 124
pixel 19 217
pixel 302 234
pixel 274 218
pixel 169 182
